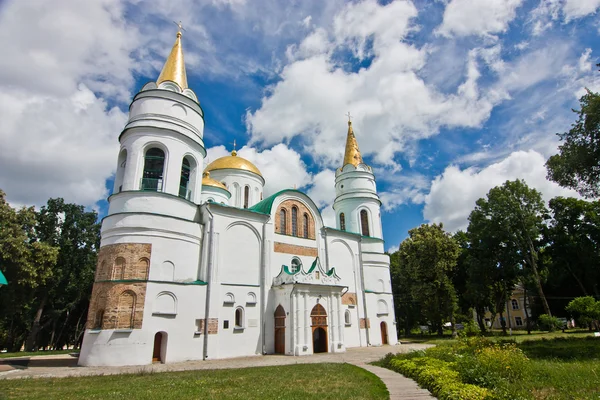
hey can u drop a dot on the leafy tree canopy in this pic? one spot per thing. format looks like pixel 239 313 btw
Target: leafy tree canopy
pixel 577 165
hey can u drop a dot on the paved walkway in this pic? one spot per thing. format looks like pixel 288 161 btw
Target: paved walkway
pixel 64 365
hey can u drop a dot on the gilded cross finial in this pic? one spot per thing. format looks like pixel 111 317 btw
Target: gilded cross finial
pixel 234 152
pixel 349 116
pixel 179 27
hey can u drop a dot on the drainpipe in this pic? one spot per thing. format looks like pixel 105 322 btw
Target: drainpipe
pixel 209 267
pixel 364 295
pixel 263 291
pixel 326 248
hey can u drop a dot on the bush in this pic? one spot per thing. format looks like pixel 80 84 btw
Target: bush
pixel 438 378
pixel 548 323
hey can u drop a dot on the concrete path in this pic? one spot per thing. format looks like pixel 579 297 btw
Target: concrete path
pixel 65 365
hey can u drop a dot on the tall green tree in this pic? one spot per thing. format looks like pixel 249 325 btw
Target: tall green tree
pixel 427 260
pixel 505 230
pixel 573 237
pixel 27 264
pixel 577 165
pixel 407 308
pixel 63 299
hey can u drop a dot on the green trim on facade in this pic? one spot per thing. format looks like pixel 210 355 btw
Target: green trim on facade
pixel 374 292
pixel 196 283
pixel 149 213
pixel 153 191
pixel 355 234
pixel 239 284
pixel 265 206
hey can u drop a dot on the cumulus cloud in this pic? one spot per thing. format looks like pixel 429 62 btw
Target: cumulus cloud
pixel 59 135
pixel 548 12
pixel 393 106
pixel 453 194
pixel 478 17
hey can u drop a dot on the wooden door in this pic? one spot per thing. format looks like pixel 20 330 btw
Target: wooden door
pixel 318 317
pixel 157 347
pixel 384 334
pixel 279 330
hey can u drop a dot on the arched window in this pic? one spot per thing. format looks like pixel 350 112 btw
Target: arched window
pixel 515 304
pixel 364 223
pixel 296 263
pixel 305 226
pixel 239 318
pixel 184 181
pixel 119 269
pixel 342 222
pixel 122 163
pixel 126 310
pixel 154 162
pixel 246 196
pixel 282 221
pixel 294 221
pixel 347 318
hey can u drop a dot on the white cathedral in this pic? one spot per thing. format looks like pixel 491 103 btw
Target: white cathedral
pixel 197 265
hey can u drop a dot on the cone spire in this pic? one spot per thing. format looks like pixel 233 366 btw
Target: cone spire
pixel 174 69
pixel 352 153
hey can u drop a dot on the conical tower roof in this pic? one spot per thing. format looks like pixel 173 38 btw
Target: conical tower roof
pixel 352 153
pixel 174 69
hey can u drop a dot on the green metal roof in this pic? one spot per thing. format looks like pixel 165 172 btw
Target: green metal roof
pixel 3 279
pixel 264 206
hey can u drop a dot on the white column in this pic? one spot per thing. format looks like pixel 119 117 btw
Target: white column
pixel 332 322
pixel 298 316
pixel 306 320
pixel 135 161
pixel 338 302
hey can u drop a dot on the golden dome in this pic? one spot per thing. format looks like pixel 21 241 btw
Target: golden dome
pixel 352 153
pixel 208 181
pixel 174 69
pixel 233 162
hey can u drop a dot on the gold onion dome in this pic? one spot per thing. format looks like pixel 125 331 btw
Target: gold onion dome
pixel 174 69
pixel 352 153
pixel 208 181
pixel 233 162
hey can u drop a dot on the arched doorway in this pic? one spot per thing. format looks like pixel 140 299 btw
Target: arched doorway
pixel 157 353
pixel 279 330
pixel 319 329
pixel 384 333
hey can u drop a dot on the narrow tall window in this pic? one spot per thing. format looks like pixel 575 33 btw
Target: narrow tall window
pixel 239 317
pixel 515 304
pixel 364 222
pixel 246 196
pixel 342 222
pixel 305 225
pixel 282 221
pixel 294 221
pixel 184 181
pixel 154 162
pixel 295 265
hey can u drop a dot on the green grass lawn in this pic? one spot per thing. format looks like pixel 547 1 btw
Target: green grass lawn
pixel 37 353
pixel 300 381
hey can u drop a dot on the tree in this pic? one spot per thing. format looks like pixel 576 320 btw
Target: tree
pixel 586 310
pixel 427 259
pixel 63 300
pixel 577 166
pixel 505 232
pixel 573 237
pixel 407 309
pixel 27 265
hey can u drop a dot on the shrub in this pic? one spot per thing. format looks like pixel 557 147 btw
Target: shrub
pixel 548 323
pixel 438 377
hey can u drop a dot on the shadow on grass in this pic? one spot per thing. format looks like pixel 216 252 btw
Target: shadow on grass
pixel 582 348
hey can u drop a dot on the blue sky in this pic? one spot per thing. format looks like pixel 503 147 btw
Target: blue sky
pixel 449 97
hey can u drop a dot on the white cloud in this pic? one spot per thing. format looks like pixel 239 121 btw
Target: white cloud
pixel 585 64
pixel 60 62
pixel 453 193
pixel 393 249
pixel 281 166
pixel 57 146
pixel 392 105
pixel 548 12
pixel 478 17
pixel 579 8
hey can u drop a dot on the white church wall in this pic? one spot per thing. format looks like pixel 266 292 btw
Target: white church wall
pixel 154 203
pixel 381 309
pixel 114 347
pixel 239 253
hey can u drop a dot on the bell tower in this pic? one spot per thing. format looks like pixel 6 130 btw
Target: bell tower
pixel 357 205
